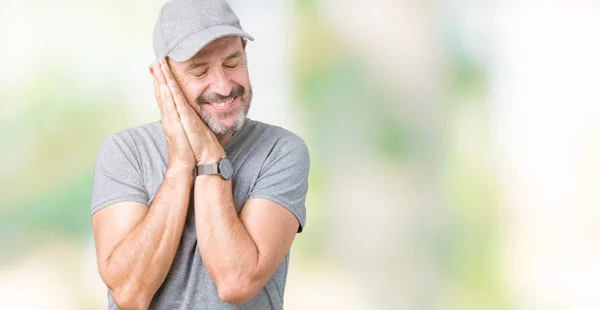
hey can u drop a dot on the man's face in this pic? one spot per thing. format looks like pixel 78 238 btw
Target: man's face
pixel 216 84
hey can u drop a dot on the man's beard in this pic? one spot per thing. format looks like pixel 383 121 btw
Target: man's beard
pixel 212 121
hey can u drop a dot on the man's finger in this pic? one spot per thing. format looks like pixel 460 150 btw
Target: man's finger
pixel 167 97
pixel 157 93
pixel 153 72
pixel 175 90
pixel 170 109
pixel 188 119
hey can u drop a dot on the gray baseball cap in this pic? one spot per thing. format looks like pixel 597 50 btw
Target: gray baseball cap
pixel 184 27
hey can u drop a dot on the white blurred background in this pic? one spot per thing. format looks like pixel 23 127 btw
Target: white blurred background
pixel 455 146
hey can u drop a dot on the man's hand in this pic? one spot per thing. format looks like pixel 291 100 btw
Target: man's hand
pixel 180 151
pixel 204 144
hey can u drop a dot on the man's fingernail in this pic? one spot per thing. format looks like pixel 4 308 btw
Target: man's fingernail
pixel 151 70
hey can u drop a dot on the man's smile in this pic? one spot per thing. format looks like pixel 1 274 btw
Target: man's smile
pixel 224 104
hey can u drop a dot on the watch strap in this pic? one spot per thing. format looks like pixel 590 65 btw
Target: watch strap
pixel 207 169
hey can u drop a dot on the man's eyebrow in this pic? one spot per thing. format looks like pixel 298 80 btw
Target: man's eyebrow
pixel 234 55
pixel 195 65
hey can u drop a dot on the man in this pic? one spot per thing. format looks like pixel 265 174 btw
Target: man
pixel 199 210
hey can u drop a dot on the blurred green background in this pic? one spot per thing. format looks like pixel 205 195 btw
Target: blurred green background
pixel 455 146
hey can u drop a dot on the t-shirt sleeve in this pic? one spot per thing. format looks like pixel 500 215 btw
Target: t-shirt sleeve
pixel 117 176
pixel 284 177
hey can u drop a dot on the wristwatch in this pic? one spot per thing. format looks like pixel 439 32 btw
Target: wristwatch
pixel 223 167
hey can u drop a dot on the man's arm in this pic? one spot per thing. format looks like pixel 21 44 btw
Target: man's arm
pixel 135 245
pixel 241 253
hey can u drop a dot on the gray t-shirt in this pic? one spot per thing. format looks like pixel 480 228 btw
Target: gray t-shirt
pixel 269 162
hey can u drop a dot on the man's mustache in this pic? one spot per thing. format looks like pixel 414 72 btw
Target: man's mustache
pixel 236 90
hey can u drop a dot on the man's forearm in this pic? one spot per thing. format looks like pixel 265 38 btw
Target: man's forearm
pixel 227 250
pixel 141 261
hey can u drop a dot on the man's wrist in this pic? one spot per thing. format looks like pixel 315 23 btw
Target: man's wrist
pixel 211 159
pixel 179 173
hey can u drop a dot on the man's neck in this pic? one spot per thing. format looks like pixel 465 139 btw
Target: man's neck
pixel 224 138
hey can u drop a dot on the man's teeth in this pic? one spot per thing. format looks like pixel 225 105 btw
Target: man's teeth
pixel 222 104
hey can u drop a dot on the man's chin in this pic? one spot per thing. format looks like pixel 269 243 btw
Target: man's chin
pixel 225 127
pixel 222 124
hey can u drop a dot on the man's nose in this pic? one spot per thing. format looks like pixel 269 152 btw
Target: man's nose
pixel 220 82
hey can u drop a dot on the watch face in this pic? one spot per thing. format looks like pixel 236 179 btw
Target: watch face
pixel 225 168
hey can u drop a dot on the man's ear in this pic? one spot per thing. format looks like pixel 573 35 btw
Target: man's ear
pixel 244 41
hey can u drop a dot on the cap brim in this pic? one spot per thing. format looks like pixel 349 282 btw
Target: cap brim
pixel 186 49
